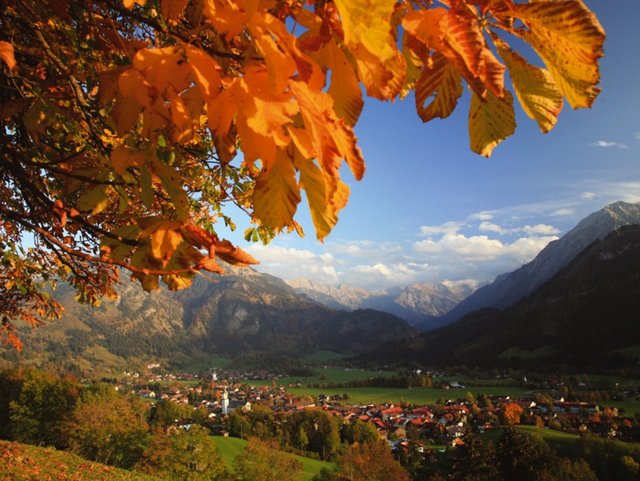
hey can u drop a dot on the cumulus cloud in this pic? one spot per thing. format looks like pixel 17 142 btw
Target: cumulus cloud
pixel 491 227
pixel 540 230
pixel 605 144
pixel 588 195
pixel 288 263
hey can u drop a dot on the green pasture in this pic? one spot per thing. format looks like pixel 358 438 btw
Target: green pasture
pixel 417 395
pixel 229 448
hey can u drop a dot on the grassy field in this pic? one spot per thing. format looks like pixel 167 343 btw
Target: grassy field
pixel 418 395
pixel 230 447
pixel 21 462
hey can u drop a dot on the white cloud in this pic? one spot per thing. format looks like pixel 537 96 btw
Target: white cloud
pixel 491 227
pixel 637 136
pixel 484 215
pixel 446 228
pixel 540 229
pixel 288 263
pixel 588 195
pixel 605 144
pixel 563 212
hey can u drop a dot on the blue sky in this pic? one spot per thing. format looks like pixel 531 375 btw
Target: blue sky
pixel 429 210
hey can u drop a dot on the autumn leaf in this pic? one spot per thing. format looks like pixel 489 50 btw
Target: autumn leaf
pixel 324 208
pixel 369 36
pixel 123 158
pixel 165 239
pixel 441 83
pixel 172 9
pixel 276 194
pixel 94 200
pixel 534 86
pixel 491 120
pixel 569 39
pixel 233 255
pixel 7 54
pixel 130 3
pixel 206 71
pixel 345 88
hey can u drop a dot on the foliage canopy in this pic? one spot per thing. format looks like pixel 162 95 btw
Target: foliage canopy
pixel 129 126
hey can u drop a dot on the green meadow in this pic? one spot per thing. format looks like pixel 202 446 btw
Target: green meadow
pixel 417 395
pixel 231 447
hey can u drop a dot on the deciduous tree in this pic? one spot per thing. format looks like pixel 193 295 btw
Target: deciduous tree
pixel 127 127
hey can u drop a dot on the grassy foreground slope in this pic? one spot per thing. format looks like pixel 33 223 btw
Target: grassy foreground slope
pixel 229 448
pixel 22 462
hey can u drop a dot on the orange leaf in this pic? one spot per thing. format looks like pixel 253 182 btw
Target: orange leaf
pixel 172 9
pixel 345 88
pixel 233 255
pixel 130 3
pixel 440 80
pixel 206 71
pixel 324 207
pixel 165 239
pixel 7 54
pixel 122 158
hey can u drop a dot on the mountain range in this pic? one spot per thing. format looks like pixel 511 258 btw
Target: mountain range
pixel 415 303
pixel 242 314
pixel 585 317
pixel 429 306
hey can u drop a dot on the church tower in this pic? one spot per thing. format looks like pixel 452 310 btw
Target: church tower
pixel 225 402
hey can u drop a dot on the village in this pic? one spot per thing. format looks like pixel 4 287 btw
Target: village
pixel 424 427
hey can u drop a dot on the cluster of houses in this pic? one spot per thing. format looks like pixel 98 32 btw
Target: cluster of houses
pixel 438 424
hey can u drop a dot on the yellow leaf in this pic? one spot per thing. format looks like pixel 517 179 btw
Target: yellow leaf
pixel 165 238
pixel 276 194
pixel 537 92
pixel 569 39
pixel 491 120
pixel 7 54
pixel 369 36
pixel 368 25
pixel 442 82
